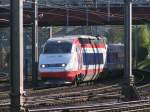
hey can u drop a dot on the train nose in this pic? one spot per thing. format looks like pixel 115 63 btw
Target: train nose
pixel 57 65
pixel 57 82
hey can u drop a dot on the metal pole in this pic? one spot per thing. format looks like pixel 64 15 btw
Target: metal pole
pixel 50 32
pixel 67 11
pixel 108 19
pixel 87 16
pixel 96 4
pixel 67 18
pixel 136 46
pixel 129 90
pixel 128 41
pixel 16 43
pixel 26 70
pixel 35 43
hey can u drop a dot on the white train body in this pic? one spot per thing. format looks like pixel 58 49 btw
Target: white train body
pixel 69 58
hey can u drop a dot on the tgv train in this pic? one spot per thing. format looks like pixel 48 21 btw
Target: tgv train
pixel 115 59
pixel 115 56
pixel 72 59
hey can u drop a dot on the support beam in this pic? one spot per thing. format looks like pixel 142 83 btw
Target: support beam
pixel 128 88
pixel 16 69
pixel 128 41
pixel 35 43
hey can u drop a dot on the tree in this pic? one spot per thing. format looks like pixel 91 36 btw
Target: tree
pixel 141 40
pixel 115 34
pixel 144 36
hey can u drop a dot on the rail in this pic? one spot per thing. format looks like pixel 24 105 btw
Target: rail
pixel 117 107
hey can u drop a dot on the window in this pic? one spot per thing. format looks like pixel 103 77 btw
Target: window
pixel 92 58
pixel 84 41
pixel 98 41
pixel 55 47
pixel 112 57
pixel 91 41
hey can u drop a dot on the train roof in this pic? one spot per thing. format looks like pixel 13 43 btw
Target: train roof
pixel 71 37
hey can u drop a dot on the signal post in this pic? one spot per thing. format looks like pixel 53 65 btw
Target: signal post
pixel 16 53
pixel 128 86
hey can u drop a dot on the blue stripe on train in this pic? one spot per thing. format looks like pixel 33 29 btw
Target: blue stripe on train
pixel 92 58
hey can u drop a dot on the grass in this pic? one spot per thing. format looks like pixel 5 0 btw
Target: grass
pixel 144 65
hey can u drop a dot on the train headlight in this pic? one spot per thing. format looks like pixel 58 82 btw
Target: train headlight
pixel 43 66
pixel 63 65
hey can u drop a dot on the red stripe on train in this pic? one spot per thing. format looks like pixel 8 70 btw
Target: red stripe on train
pixel 69 75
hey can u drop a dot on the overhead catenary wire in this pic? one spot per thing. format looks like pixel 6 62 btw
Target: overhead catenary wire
pixel 103 13
pixel 61 6
pixel 57 14
pixel 98 2
pixel 84 10
pixel 72 9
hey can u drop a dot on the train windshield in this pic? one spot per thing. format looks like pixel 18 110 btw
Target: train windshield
pixel 55 47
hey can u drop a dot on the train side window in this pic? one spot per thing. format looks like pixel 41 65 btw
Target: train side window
pixel 93 41
pixel 101 41
pixel 112 57
pixel 97 41
pixel 92 58
pixel 84 41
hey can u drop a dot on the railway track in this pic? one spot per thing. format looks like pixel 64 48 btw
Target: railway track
pixel 4 87
pixel 72 97
pixel 81 98
pixel 142 77
pixel 143 86
pixel 83 86
pixel 64 89
pixel 108 92
pixel 3 77
pixel 133 106
pixel 144 91
pixel 101 93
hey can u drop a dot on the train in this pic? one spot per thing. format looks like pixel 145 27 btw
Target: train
pixel 115 59
pixel 74 59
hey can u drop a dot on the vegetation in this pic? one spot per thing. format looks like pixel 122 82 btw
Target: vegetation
pixel 115 34
pixel 141 42
pixel 140 45
pixel 144 36
pixel 144 65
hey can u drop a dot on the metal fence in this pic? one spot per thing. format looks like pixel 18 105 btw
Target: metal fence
pixel 4 50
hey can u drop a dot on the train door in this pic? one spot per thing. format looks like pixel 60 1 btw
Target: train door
pixel 88 54
pixel 94 53
pixel 98 57
pixel 84 51
pixel 79 59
